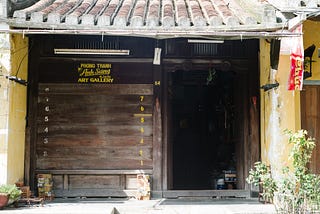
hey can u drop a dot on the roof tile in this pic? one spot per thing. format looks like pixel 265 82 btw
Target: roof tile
pixel 153 13
pixel 158 15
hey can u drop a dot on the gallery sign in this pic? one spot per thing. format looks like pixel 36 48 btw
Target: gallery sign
pixel 95 73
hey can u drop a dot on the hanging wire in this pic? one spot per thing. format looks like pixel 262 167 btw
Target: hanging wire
pixel 18 69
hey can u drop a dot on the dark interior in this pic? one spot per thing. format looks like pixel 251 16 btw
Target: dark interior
pixel 203 111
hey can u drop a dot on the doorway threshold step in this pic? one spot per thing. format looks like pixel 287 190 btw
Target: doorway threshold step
pixel 207 193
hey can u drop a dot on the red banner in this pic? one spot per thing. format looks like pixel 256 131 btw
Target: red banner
pixel 296 62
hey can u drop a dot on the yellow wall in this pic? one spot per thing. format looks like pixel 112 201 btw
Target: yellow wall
pixel 311 35
pixel 17 109
pixel 280 108
pixel 4 104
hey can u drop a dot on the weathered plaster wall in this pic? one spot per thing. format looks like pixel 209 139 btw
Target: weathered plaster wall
pixel 4 104
pixel 311 35
pixel 17 109
pixel 280 108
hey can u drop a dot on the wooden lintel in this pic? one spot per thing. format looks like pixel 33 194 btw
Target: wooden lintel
pixel 206 193
pixel 95 193
pixel 94 172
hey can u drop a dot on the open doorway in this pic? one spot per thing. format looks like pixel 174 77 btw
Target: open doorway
pixel 203 114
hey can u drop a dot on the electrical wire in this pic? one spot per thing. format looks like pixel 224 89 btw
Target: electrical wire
pixel 18 69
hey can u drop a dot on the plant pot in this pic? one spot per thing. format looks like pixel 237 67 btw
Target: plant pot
pixel 4 198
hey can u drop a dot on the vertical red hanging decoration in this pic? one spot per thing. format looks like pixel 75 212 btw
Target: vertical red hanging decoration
pixel 296 61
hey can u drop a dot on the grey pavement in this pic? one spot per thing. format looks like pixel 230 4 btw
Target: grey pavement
pixel 133 206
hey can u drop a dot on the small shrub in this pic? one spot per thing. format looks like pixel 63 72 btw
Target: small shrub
pixel 299 190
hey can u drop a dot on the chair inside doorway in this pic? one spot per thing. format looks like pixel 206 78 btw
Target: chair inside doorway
pixel 203 118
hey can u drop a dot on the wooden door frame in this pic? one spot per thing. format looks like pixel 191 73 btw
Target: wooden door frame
pixel 251 126
pixel 312 131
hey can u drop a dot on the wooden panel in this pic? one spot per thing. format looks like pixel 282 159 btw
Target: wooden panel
pixel 131 182
pixel 70 72
pixel 83 126
pixel 57 181
pixel 94 181
pixel 95 193
pixel 94 172
pixel 83 140
pixel 310 121
pixel 98 163
pixel 68 88
pixel 206 193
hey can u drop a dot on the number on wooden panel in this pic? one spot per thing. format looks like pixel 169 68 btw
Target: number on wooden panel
pixel 142 119
pixel 141 162
pixel 45 154
pixel 47 89
pixel 141 98
pixel 46 99
pixel 46 118
pixel 141 108
pixel 142 141
pixel 45 140
pixel 47 108
pixel 142 130
pixel 46 129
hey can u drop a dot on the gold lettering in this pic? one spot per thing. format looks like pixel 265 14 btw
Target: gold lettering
pixel 104 65
pixel 101 79
pixel 87 65
pixel 83 80
pixel 157 82
pixel 95 73
pixel 142 141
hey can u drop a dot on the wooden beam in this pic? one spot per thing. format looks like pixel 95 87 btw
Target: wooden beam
pixel 157 131
pixel 93 172
pixel 206 193
pixel 95 193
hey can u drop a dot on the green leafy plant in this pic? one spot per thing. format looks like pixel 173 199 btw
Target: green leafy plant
pixel 261 176
pixel 299 190
pixel 11 190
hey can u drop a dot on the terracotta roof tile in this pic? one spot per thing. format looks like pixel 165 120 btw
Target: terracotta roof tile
pixel 158 15
pixel 91 17
pixel 153 13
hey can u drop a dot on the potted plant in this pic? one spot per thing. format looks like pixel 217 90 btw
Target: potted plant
pixel 4 198
pixel 11 192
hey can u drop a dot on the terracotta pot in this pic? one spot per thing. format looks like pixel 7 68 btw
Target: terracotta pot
pixel 4 198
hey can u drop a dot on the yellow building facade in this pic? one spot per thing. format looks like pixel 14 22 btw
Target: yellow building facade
pixel 13 99
pixel 279 108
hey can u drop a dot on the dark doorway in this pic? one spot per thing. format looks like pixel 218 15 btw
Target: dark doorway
pixel 203 129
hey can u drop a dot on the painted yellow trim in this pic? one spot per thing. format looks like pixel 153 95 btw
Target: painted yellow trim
pixel 17 109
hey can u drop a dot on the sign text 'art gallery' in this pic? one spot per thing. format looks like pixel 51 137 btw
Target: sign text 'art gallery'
pixel 94 73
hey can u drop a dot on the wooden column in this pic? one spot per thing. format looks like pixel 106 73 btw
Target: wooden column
pixel 31 127
pixel 157 134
